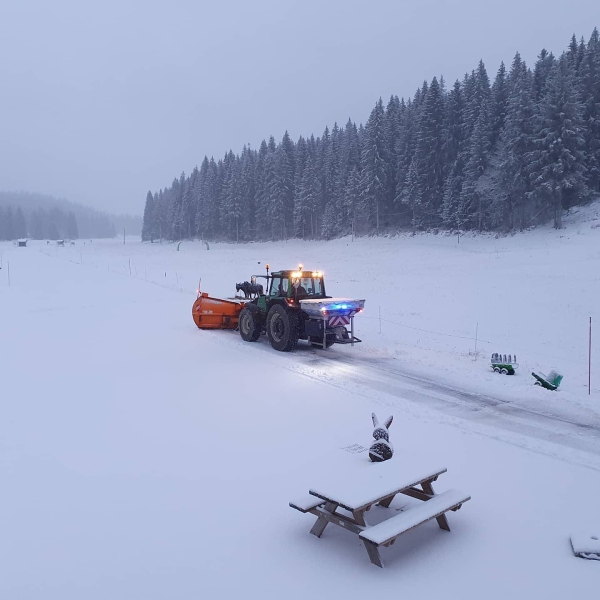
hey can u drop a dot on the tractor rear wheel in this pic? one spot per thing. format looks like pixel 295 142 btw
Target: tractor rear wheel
pixel 249 327
pixel 282 328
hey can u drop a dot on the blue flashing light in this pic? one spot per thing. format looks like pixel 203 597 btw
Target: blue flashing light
pixel 344 306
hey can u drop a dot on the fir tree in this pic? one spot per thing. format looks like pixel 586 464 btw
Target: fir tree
pixel 429 157
pixel 541 71
pixel 247 192
pixel 517 143
pixel 557 162
pixel 473 198
pixel 352 197
pixel 374 164
pixel 149 216
pixel 411 195
pixel 590 93
pixel 454 155
pixel 261 190
pixel 393 114
pixel 232 199
pixel 308 200
pixel 499 103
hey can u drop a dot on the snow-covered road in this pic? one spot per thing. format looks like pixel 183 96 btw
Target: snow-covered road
pixel 573 436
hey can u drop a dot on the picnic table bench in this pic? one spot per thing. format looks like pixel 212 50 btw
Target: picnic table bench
pixel 379 486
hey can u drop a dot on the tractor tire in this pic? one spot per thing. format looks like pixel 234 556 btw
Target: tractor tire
pixel 282 328
pixel 504 371
pixel 249 326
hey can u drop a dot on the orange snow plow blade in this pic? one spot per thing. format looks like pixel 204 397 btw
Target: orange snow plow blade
pixel 216 313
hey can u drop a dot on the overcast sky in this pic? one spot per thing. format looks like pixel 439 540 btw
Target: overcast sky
pixel 101 101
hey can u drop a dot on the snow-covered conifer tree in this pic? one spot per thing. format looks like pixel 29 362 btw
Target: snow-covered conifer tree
pixel 557 163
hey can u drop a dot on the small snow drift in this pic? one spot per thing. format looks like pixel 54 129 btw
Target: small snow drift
pixel 586 545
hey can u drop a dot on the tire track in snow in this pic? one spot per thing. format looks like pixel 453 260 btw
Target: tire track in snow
pixel 568 440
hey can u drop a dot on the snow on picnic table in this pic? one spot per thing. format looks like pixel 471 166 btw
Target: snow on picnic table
pixel 142 458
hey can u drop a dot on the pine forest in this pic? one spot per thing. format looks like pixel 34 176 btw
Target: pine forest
pixel 476 155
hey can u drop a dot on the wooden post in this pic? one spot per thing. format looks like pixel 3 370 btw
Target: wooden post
pixel 123 236
pixel 130 267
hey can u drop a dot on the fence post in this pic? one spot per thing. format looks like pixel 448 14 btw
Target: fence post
pixel 590 361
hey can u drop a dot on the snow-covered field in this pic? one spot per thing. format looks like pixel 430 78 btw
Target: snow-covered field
pixel 143 458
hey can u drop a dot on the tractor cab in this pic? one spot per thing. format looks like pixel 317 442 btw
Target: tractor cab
pixel 296 284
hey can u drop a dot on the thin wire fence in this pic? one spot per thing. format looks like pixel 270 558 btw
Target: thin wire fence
pixel 475 339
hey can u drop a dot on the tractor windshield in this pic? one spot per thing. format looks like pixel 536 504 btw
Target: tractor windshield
pixel 307 286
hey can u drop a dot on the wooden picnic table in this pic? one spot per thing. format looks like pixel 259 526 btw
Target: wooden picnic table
pixel 378 484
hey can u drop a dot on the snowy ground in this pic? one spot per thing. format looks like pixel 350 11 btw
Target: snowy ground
pixel 142 458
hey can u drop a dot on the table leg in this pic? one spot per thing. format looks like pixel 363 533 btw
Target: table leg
pixel 386 503
pixel 319 527
pixel 373 553
pixel 441 520
pixel 359 517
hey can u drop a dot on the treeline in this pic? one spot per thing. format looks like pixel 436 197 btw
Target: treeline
pixel 42 224
pixel 477 156
pixel 45 216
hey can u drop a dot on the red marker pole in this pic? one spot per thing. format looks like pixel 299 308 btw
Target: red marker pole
pixel 590 361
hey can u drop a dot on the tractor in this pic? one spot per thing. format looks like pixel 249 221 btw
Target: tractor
pixel 294 307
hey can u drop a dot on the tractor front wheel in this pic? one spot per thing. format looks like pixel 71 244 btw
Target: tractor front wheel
pixel 282 328
pixel 249 327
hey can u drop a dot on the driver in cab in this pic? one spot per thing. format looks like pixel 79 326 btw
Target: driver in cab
pixel 298 289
